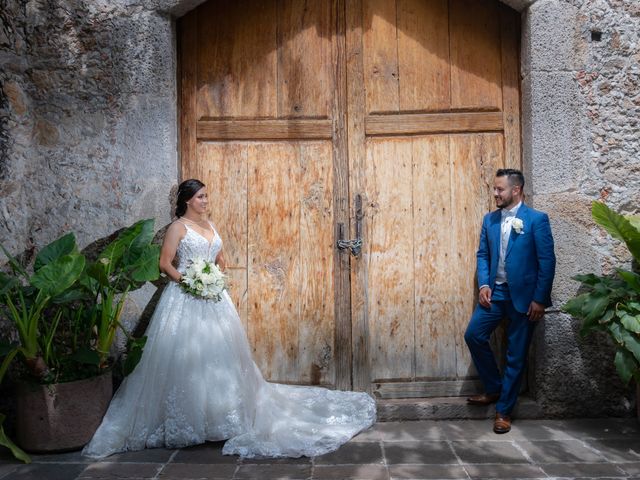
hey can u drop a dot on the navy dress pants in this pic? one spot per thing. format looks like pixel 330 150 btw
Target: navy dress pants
pixel 519 332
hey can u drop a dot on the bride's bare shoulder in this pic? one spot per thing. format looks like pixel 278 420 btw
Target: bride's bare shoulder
pixel 176 229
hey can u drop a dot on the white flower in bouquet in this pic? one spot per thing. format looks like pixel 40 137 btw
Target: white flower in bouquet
pixel 203 279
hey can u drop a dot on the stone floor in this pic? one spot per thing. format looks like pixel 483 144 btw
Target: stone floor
pixel 466 449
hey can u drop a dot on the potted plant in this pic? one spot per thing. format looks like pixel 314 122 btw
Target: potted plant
pixel 611 303
pixel 66 315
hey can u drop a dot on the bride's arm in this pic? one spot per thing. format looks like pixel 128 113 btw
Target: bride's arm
pixel 172 238
pixel 220 261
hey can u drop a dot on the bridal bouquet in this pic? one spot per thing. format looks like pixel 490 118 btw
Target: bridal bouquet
pixel 203 279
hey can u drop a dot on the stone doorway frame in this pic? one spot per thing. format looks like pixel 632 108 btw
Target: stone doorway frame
pixel 553 124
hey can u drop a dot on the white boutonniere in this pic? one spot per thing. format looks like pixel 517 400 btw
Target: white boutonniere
pixel 518 225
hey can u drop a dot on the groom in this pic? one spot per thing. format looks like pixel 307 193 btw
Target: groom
pixel 516 265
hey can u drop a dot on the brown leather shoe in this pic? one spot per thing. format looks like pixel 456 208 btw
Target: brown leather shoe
pixel 502 423
pixel 484 399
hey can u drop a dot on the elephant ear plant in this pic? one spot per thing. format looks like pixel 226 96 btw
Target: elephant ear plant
pixel 611 303
pixel 25 297
pixel 126 264
pixel 67 312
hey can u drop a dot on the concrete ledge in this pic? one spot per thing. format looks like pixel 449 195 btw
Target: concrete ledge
pixel 448 408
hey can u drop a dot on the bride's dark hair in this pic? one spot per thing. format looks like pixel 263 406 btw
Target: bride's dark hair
pixel 186 190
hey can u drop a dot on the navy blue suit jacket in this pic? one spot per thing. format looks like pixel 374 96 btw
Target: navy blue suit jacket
pixel 530 261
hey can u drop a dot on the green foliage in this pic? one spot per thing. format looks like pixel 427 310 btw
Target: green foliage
pixel 611 303
pixel 67 312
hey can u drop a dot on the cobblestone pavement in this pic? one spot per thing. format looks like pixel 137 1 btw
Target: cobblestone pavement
pixel 467 449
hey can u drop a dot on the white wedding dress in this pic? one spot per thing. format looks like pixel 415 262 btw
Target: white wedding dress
pixel 197 382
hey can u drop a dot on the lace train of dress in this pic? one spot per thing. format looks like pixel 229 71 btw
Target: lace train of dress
pixel 197 382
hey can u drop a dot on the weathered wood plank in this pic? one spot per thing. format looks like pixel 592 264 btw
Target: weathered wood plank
pixel 423 55
pixel 237 59
pixel 390 280
pixel 316 250
pixel 432 206
pixel 305 67
pixel 380 56
pixel 291 129
pixel 474 160
pixel 341 266
pixel 424 123
pixel 223 168
pixel 430 389
pixel 475 54
pixel 356 102
pixel 510 35
pixel 273 213
pixel 188 48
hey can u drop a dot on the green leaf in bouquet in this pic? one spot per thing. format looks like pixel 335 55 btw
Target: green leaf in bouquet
pixel 65 245
pixel 57 276
pixel 626 365
pixel 618 227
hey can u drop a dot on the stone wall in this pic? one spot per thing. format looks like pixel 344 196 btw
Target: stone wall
pixel 581 138
pixel 88 143
pixel 88 126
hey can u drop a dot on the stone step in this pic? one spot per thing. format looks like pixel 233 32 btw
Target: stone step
pixel 448 408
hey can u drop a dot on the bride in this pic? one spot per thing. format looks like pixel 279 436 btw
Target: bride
pixel 197 382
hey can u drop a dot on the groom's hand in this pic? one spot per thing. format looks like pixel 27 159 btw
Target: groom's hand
pixel 484 297
pixel 536 311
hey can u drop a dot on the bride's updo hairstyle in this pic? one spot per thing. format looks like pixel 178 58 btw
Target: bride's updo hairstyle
pixel 186 190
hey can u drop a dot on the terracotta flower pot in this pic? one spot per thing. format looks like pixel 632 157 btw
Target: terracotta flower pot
pixel 62 416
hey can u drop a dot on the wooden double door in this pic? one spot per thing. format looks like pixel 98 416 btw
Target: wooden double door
pixel 312 120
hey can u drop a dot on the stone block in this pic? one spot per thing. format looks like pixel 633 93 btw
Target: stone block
pixel 554 133
pixel 552 37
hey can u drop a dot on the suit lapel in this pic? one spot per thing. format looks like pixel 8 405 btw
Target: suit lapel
pixel 513 237
pixel 494 231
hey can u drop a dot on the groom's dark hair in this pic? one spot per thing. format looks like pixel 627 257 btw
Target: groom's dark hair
pixel 515 177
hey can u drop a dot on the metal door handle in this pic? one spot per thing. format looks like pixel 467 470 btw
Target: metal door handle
pixel 355 245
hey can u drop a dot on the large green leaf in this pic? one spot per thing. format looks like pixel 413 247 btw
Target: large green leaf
pixel 618 226
pixel 7 283
pixel 65 245
pixel 116 249
pixel 630 322
pixel 141 242
pixel 626 365
pixel 631 342
pixel 574 306
pixel 594 306
pixel 632 279
pixel 6 441
pixel 54 278
pixel 145 268
pixel 634 220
